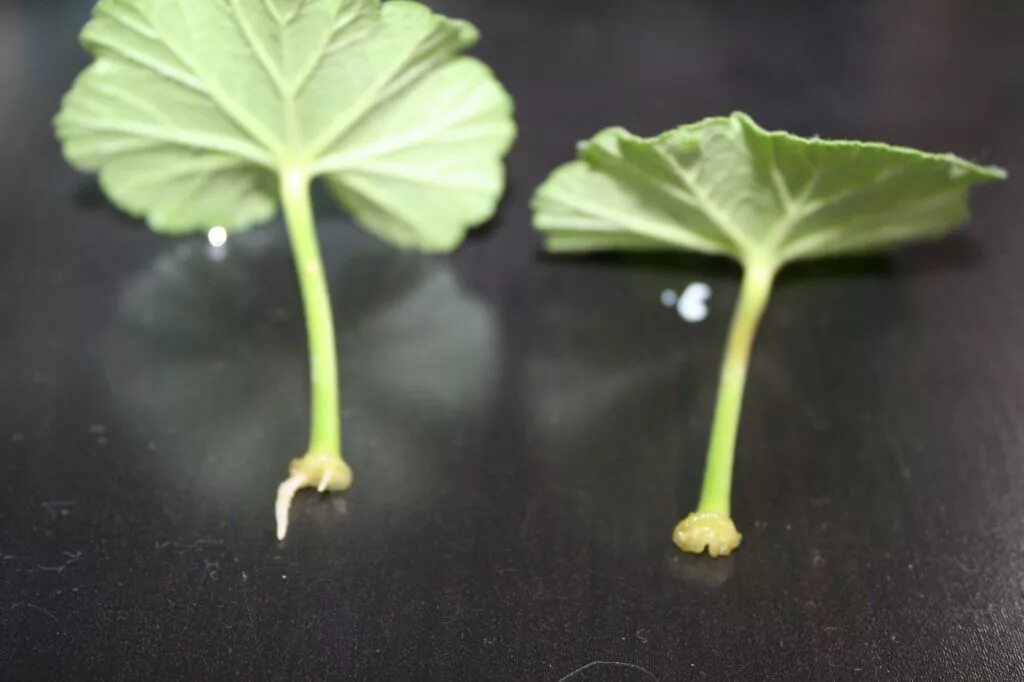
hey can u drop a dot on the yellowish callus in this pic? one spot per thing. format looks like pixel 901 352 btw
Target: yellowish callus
pixel 707 530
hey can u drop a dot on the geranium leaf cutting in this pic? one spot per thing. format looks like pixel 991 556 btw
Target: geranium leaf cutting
pixel 198 113
pixel 724 186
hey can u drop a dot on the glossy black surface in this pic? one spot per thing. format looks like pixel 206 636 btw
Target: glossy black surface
pixel 526 430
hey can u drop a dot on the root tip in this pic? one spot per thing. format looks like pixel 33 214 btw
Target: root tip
pixel 282 506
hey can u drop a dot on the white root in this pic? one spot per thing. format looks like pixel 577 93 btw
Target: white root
pixel 285 493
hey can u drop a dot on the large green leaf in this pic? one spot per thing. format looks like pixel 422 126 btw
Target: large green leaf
pixel 193 108
pixel 726 186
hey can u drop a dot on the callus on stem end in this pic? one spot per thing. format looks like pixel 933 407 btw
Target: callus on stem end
pixel 707 530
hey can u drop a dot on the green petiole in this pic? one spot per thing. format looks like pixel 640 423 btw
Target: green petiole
pixel 710 526
pixel 322 465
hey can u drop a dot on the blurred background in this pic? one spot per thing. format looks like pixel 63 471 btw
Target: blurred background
pixel 526 430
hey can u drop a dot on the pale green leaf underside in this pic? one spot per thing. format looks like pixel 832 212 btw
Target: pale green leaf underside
pixel 193 107
pixel 726 186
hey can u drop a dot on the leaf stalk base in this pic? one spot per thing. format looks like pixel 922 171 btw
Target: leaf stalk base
pixel 707 530
pixel 326 473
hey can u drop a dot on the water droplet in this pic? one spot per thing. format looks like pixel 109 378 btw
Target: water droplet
pixel 693 304
pixel 217 236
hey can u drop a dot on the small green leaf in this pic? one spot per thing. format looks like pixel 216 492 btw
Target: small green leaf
pixel 192 109
pixel 725 186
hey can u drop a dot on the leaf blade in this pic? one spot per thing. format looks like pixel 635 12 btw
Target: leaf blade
pixel 727 186
pixel 390 181
pixel 234 92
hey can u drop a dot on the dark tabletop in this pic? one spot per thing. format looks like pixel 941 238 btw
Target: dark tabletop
pixel 526 430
